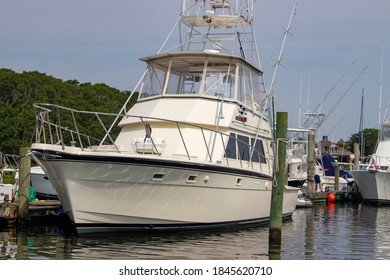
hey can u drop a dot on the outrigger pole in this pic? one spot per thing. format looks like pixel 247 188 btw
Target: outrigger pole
pixel 269 93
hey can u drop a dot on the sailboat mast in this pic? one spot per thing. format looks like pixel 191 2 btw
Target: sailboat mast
pixel 361 125
pixel 300 103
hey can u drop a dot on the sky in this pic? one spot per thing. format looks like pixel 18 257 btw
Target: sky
pixel 333 54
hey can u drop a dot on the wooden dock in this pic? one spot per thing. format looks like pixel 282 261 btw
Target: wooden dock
pixel 339 196
pixel 320 197
pixel 38 211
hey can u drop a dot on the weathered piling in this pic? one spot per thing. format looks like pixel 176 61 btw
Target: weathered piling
pixel 356 153
pixel 280 177
pixel 336 177
pixel 24 184
pixel 311 164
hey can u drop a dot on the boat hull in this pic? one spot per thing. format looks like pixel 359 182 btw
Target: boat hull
pixel 111 192
pixel 374 186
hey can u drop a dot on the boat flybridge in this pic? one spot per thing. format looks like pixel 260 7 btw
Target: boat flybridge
pixel 194 151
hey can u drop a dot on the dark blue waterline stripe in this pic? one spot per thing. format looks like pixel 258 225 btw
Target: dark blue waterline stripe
pixel 150 162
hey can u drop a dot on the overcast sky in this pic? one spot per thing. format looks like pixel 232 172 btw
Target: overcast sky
pixel 101 42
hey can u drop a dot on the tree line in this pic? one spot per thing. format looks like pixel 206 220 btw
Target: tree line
pixel 19 91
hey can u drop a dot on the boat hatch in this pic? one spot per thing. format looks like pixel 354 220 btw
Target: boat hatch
pixel 158 176
pixel 192 178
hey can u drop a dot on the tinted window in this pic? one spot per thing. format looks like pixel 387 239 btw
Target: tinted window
pixel 231 147
pixel 258 154
pixel 243 147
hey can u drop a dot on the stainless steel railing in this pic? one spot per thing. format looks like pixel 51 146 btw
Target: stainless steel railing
pixel 52 127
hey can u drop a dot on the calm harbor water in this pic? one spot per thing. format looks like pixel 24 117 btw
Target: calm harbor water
pixel 323 232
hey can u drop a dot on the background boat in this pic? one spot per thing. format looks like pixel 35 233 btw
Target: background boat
pixel 41 184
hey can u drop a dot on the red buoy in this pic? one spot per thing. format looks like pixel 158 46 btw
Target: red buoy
pixel 331 197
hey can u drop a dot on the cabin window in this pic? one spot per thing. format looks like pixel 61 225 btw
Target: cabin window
pixel 243 147
pixel 385 133
pixel 249 87
pixel 241 143
pixel 153 83
pixel 258 153
pixel 219 83
pixel 190 83
pixel 231 147
pixel 173 84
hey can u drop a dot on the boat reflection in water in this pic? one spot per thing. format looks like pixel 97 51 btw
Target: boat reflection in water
pixel 323 232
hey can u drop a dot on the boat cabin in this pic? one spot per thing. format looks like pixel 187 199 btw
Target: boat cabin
pixel 202 73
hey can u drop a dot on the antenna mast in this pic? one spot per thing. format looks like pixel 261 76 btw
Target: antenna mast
pixel 380 89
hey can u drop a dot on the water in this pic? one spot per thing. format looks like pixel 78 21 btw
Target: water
pixel 334 231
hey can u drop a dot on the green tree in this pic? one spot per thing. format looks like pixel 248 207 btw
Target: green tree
pixel 370 136
pixel 19 91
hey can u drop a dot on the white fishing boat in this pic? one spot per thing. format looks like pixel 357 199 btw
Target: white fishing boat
pixel 193 152
pixel 296 161
pixel 374 180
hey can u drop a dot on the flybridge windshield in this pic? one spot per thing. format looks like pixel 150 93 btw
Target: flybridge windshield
pixel 208 78
pixel 385 132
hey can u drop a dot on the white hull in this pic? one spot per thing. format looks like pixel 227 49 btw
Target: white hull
pixel 374 186
pixel 129 193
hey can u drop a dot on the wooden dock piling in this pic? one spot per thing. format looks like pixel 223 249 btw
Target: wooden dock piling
pixel 336 176
pixel 356 158
pixel 24 184
pixel 22 209
pixel 311 165
pixel 280 177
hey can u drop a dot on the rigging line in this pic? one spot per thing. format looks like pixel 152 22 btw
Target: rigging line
pixel 268 106
pixel 277 63
pixel 338 102
pixel 307 123
pixel 241 48
pixel 341 119
pixel 342 76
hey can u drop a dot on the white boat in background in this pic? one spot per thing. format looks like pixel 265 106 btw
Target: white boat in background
pixel 297 150
pixel 9 177
pixel 41 184
pixel 8 185
pixel 194 152
pixel 374 180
